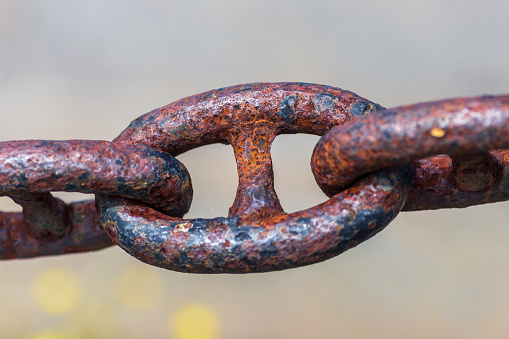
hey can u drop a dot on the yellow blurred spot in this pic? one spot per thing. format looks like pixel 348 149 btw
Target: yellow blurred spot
pixel 140 287
pixel 437 132
pixel 50 335
pixel 195 321
pixel 96 319
pixel 57 291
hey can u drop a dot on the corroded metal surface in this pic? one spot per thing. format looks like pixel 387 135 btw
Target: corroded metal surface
pixel 436 186
pixel 257 235
pixel 466 129
pixel 30 169
pixel 364 165
pixel 89 166
pixel 86 234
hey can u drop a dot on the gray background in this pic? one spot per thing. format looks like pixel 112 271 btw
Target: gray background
pixel 84 70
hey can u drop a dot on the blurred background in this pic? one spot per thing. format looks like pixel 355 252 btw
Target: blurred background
pixel 84 70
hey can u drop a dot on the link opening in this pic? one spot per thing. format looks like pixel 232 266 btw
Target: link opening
pixel 293 180
pixel 214 178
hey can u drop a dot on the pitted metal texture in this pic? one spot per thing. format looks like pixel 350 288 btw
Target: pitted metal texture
pixel 470 131
pixel 29 170
pixel 257 235
pixel 371 162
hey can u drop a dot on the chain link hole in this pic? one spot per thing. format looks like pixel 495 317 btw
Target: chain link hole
pixel 7 205
pixel 69 197
pixel 293 180
pixel 214 177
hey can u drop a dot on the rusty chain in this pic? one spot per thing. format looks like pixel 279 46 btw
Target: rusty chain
pixel 371 162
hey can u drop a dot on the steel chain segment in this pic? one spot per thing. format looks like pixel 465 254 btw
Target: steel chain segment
pixel 29 170
pixel 471 130
pixel 436 180
pixel 257 235
pixel 85 234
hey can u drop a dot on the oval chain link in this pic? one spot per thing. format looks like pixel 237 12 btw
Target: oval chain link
pixel 257 235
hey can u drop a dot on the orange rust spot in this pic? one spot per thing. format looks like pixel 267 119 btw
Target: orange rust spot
pixel 437 132
pixel 227 243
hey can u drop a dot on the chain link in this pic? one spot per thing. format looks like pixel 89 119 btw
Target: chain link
pixel 466 129
pixel 371 162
